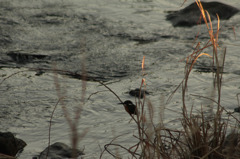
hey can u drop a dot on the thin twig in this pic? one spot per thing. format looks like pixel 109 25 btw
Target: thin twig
pixel 111 91
pixel 50 125
pixel 12 75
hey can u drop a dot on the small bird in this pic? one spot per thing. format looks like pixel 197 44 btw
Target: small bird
pixel 130 107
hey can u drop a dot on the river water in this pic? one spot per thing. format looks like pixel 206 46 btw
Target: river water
pixel 110 37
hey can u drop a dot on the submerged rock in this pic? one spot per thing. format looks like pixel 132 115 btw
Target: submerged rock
pixel 190 15
pixel 59 150
pixel 237 110
pixel 137 93
pixel 23 58
pixel 9 145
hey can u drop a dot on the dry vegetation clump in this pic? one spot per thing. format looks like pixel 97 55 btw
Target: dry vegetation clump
pixel 201 136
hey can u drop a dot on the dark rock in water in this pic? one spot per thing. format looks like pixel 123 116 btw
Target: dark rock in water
pixel 59 150
pixel 10 145
pixel 190 15
pixel 23 58
pixel 137 92
pixel 237 110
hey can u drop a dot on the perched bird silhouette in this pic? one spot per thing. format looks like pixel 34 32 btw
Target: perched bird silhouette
pixel 130 107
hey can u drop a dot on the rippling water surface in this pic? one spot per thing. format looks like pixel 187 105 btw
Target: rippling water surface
pixel 110 37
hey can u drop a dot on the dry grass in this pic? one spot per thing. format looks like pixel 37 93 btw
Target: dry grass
pixel 72 121
pixel 201 136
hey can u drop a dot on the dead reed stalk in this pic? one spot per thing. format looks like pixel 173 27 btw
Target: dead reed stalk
pixel 73 122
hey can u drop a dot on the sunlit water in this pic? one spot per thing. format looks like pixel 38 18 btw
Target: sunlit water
pixel 110 37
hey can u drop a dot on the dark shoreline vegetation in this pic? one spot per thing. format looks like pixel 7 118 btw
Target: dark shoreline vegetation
pixel 201 135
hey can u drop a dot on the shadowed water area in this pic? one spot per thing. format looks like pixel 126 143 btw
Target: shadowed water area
pixel 110 37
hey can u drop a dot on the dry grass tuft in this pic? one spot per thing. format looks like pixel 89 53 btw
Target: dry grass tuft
pixel 201 136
